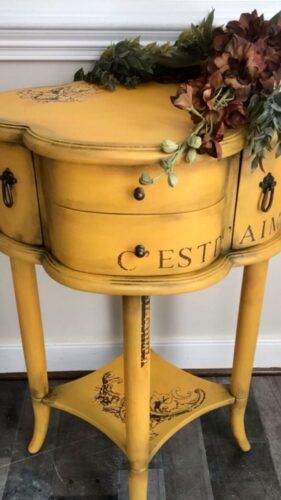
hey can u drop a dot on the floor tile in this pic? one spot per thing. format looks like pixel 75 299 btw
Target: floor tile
pixel 185 465
pixel 156 485
pixel 12 395
pixel 236 475
pixel 4 470
pixel 267 392
pixel 30 478
pixel 78 462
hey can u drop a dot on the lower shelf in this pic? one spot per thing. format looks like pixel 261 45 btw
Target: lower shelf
pixel 177 398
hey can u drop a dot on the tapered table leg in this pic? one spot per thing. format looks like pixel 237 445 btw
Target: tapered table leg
pixel 136 314
pixel 25 286
pixel 251 301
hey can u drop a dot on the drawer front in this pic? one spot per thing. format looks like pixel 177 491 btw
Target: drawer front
pixel 21 220
pixel 111 189
pixel 106 244
pixel 258 212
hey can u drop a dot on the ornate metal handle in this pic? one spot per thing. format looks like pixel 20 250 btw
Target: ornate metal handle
pixel 140 251
pixel 268 187
pixel 8 180
pixel 139 194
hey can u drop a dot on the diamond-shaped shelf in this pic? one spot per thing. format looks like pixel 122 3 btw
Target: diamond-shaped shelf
pixel 177 398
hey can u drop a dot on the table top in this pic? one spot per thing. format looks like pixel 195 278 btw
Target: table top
pixel 73 155
pixel 86 116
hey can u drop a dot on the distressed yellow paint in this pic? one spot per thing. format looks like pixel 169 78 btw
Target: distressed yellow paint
pixel 78 397
pixel 77 152
pixel 247 330
pixel 27 299
pixel 252 226
pixel 91 126
pixel 94 188
pixel 21 222
pixel 90 242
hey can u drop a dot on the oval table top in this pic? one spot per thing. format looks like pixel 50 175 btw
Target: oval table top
pixel 93 121
pixel 79 134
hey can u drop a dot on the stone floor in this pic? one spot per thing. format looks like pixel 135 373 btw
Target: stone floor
pixel 200 462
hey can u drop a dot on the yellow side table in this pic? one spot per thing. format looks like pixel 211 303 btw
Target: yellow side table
pixel 70 161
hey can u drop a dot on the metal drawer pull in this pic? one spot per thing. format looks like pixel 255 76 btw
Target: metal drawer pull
pixel 8 180
pixel 139 194
pixel 140 251
pixel 268 187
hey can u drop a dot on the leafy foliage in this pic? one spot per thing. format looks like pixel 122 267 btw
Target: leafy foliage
pixel 130 63
pixel 264 122
pixel 231 75
pixel 197 39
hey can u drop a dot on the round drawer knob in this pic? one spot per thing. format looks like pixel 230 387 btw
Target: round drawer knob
pixel 140 251
pixel 139 193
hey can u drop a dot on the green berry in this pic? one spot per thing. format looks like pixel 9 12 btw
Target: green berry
pixel 194 141
pixel 169 146
pixel 191 155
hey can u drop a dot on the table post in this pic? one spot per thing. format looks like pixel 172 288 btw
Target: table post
pixel 136 316
pixel 25 286
pixel 251 302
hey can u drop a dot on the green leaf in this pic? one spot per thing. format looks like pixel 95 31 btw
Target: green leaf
pixel 121 48
pixel 131 82
pixel 269 131
pixel 255 163
pixel 255 99
pixel 79 75
pixel 263 117
pixel 277 122
pixel 276 17
pixel 209 23
pixel 277 96
pixel 278 150
pixel 276 107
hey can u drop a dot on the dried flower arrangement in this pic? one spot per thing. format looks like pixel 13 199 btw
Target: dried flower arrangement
pixel 231 75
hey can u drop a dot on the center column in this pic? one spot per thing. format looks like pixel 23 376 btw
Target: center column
pixel 136 318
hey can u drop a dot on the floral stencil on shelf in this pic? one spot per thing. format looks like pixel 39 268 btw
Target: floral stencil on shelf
pixel 163 406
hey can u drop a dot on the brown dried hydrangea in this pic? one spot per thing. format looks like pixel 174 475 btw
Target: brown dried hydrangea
pixel 244 62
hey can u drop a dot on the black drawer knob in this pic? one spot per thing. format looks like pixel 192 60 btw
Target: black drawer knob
pixel 140 251
pixel 8 180
pixel 139 194
pixel 268 187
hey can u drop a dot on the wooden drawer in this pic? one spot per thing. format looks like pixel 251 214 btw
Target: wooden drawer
pixel 21 221
pixel 253 225
pixel 110 189
pixel 105 244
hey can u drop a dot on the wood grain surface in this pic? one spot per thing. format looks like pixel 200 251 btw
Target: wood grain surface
pixel 201 462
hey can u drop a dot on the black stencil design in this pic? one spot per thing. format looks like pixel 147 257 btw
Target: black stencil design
pixel 145 330
pixel 163 406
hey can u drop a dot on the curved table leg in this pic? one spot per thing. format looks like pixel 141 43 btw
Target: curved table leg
pixel 136 314
pixel 251 302
pixel 25 286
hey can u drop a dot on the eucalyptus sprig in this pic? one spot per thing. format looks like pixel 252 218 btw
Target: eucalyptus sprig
pixel 190 145
pixel 264 122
